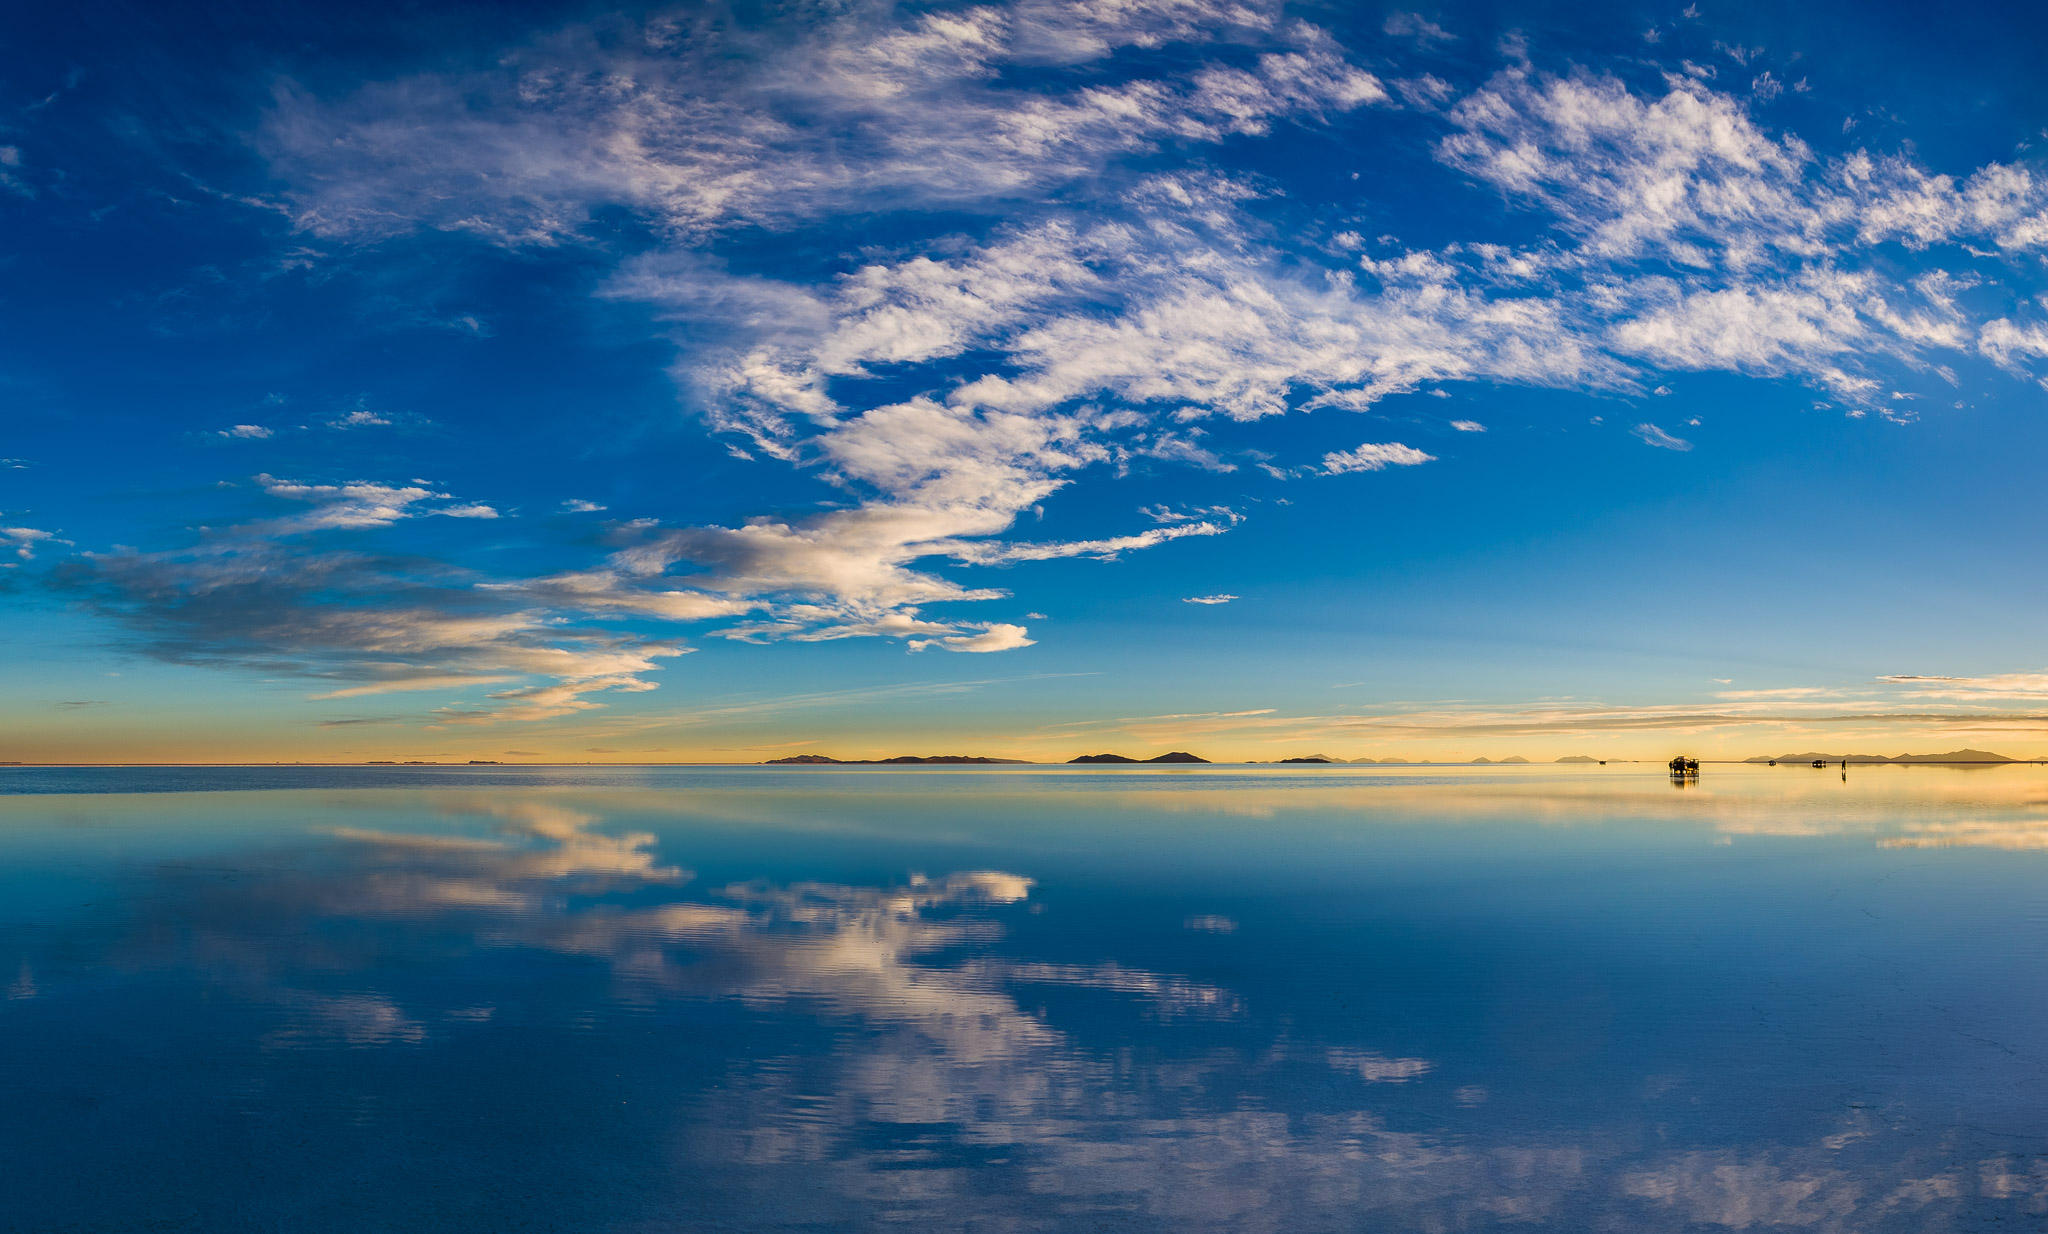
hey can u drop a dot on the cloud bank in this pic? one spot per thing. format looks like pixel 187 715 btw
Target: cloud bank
pixel 1082 271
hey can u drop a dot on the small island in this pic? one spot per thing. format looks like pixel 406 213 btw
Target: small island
pixel 1176 756
pixel 901 760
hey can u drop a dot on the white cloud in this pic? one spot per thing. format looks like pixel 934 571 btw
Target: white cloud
pixel 580 506
pixel 1426 92
pixel 357 504
pixel 246 430
pixel 23 540
pixel 1896 199
pixel 1415 27
pixel 701 129
pixel 1813 326
pixel 2009 344
pixel 1651 435
pixel 1373 456
pixel 1468 426
pixel 1687 176
pixel 1101 550
pixel 995 636
pixel 1178 514
pixel 1218 598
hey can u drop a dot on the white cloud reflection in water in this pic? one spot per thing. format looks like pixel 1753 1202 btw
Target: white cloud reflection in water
pixel 920 1050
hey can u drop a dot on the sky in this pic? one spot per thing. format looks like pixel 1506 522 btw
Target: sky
pixel 722 382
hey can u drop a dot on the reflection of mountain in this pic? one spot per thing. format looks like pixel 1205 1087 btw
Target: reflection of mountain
pixel 1953 756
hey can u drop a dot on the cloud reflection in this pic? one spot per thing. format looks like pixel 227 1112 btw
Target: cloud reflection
pixel 902 1069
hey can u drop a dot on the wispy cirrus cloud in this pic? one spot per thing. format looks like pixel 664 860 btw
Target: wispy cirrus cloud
pixel 1651 435
pixel 361 504
pixel 2031 685
pixel 1374 457
pixel 703 130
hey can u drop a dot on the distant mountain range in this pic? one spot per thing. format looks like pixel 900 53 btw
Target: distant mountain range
pixel 1182 756
pixel 813 760
pixel 905 760
pixel 1953 756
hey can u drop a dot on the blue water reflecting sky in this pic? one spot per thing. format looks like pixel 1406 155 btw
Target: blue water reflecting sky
pixel 1214 999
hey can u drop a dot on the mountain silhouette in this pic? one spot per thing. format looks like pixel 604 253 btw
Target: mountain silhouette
pixel 816 760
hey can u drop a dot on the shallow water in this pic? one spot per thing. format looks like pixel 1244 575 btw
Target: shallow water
pixel 1023 999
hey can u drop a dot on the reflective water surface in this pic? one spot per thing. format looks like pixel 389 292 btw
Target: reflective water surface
pixel 1025 999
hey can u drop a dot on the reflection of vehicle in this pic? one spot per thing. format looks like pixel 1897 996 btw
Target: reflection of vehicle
pixel 1821 762
pixel 1683 766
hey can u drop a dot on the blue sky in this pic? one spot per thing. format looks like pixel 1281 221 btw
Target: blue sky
pixel 722 382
